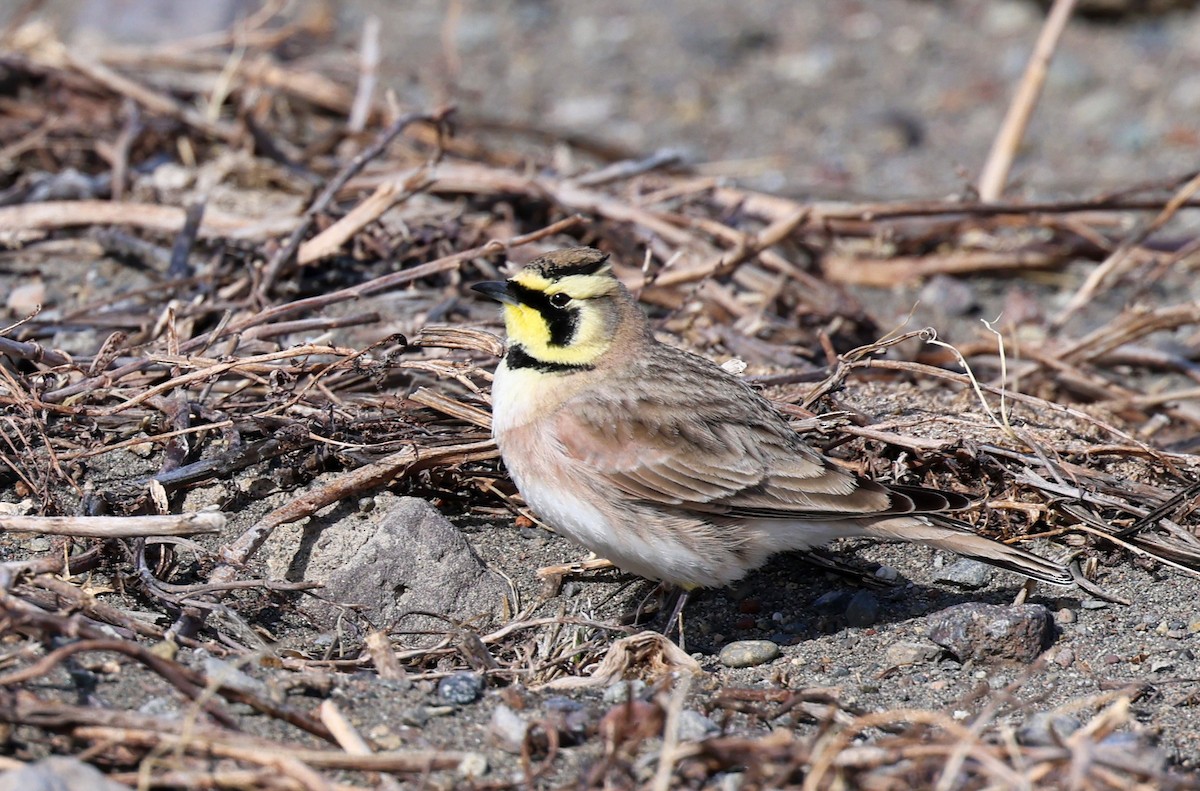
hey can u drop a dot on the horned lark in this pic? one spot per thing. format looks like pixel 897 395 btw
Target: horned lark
pixel 663 463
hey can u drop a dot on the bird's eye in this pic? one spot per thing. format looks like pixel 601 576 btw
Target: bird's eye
pixel 559 300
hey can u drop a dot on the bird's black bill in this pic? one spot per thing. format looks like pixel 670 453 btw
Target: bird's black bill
pixel 499 290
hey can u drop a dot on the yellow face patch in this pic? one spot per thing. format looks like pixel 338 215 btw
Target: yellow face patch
pixel 575 334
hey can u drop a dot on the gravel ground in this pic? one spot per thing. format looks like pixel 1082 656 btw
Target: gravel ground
pixel 850 100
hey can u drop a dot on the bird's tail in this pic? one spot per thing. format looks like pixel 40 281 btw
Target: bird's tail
pixel 951 534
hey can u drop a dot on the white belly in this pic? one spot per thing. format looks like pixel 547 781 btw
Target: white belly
pixel 638 538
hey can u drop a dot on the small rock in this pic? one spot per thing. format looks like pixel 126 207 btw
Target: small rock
pixel 26 298
pixel 831 603
pixel 694 726
pixel 228 674
pixel 966 574
pixel 573 718
pixel 400 557
pixel 1093 604
pixel 623 691
pixel 1040 729
pixel 472 765
pixel 951 295
pixel 1160 664
pixel 1064 658
pixel 748 653
pixel 460 688
pixel 58 774
pixel 986 632
pixel 887 574
pixel 1194 626
pixel 507 730
pixel 38 544
pixel 384 738
pixel 1064 616
pixel 910 653
pixel 1110 659
pixel 863 609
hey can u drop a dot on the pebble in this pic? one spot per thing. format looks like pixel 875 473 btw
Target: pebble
pixel 1064 658
pixel 1064 616
pixel 749 606
pixel 1110 659
pixel 887 574
pixel 1194 626
pixel 694 726
pixel 748 653
pixel 1093 604
pixel 1161 663
pixel 831 603
pixel 575 718
pixel 507 730
pixel 950 295
pixel 910 653
pixel 863 609
pixel 460 688
pixel 966 574
pixel 228 674
pixel 1040 729
pixel 624 690
pixel 472 765
pixel 988 632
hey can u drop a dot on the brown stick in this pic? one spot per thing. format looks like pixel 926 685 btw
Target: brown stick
pixel 228 747
pixel 1008 139
pixel 116 526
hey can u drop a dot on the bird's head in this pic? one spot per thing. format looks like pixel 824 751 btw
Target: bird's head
pixel 562 311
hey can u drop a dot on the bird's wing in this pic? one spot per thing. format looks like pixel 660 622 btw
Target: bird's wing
pixel 709 453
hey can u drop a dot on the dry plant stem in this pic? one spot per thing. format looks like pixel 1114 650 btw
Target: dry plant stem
pixel 349 738
pixel 387 665
pixel 1004 148
pixel 669 753
pixel 1128 327
pixel 284 257
pixel 271 314
pixel 929 370
pixel 257 779
pixel 208 369
pixel 386 195
pixel 153 101
pixel 233 746
pixel 189 682
pixel 827 750
pixel 34 352
pixel 116 526
pixel 368 75
pixel 887 272
pixel 52 215
pixel 1117 259
pixel 53 563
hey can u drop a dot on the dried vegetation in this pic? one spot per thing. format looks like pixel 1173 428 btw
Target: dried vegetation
pixel 298 308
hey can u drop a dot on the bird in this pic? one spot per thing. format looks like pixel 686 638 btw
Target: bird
pixel 665 464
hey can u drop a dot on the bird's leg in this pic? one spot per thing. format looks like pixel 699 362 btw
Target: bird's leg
pixel 674 596
pixel 680 597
